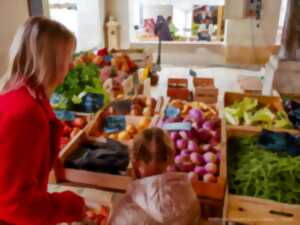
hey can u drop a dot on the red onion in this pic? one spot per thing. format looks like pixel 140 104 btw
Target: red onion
pixel 192 146
pixel 181 144
pixel 210 157
pixel 187 166
pixel 179 159
pixel 200 170
pixel 183 134
pixel 185 153
pixel 203 135
pixel 174 136
pixel 211 168
pixel 196 115
pixel 196 158
pixel 206 147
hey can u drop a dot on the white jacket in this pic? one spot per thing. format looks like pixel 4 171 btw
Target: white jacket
pixel 167 199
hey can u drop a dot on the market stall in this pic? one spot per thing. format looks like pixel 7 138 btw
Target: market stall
pixel 201 130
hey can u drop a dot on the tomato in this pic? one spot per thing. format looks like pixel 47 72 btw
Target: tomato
pixel 104 211
pixel 67 130
pixel 79 122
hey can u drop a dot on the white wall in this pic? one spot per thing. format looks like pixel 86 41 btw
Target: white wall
pixel 244 32
pixel 13 13
pixel 90 24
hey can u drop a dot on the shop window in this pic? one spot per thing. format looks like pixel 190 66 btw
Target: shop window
pixel 177 20
pixel 84 18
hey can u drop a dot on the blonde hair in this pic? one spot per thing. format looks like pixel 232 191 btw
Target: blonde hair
pixel 34 54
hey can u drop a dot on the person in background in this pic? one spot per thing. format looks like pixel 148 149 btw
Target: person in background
pixel 29 135
pixel 172 28
pixel 162 29
pixel 156 197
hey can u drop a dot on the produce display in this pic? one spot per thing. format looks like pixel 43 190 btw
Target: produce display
pixel 293 110
pixel 137 106
pixel 143 106
pixel 81 91
pixel 71 129
pixel 198 149
pixel 97 217
pixel 132 128
pixel 249 112
pixel 260 171
pixel 120 68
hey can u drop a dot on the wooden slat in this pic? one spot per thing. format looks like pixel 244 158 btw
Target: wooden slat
pixel 257 211
pixel 103 180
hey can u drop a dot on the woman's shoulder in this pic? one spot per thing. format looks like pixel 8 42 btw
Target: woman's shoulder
pixel 18 103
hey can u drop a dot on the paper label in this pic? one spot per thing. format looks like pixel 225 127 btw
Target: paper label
pixel 178 126
pixel 114 124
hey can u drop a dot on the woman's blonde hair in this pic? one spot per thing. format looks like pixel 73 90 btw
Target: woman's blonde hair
pixel 34 55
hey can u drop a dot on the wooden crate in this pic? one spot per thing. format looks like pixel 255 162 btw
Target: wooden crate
pixel 203 82
pixel 178 89
pixel 205 90
pixel 295 97
pixel 212 191
pixel 208 95
pixel 101 180
pixel 250 210
pixel 273 102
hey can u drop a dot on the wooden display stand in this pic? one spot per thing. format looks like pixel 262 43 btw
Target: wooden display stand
pixel 251 210
pixel 205 90
pixel 178 89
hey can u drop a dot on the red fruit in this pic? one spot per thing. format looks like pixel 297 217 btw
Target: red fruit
pixel 104 211
pixel 71 66
pixel 102 52
pixel 91 215
pixel 79 122
pixel 67 130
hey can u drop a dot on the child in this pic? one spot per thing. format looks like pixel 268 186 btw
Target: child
pixel 29 135
pixel 156 197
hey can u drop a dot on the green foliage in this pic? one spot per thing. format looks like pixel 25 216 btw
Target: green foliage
pixel 254 171
pixel 80 80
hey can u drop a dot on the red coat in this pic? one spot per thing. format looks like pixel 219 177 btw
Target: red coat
pixel 29 139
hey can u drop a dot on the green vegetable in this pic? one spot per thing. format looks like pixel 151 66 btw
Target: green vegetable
pixel 80 80
pixel 256 172
pixel 248 112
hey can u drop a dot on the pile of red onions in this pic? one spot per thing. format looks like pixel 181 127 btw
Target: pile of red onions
pixel 197 150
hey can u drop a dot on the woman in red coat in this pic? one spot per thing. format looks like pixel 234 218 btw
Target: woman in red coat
pixel 29 132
